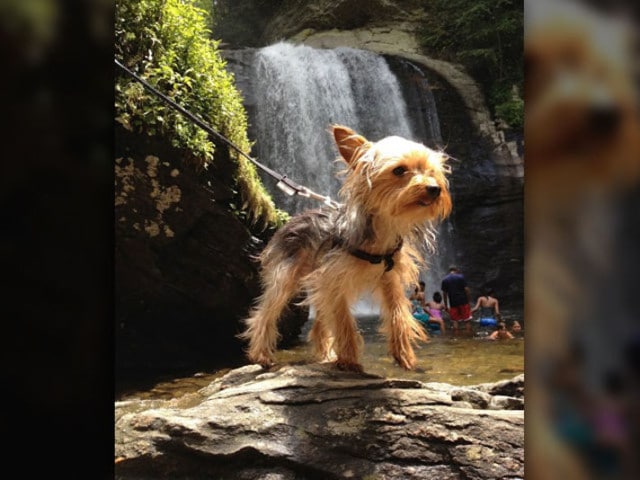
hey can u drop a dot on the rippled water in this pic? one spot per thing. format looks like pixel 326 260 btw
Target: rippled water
pixel 460 359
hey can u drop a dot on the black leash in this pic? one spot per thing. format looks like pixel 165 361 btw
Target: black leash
pixel 284 183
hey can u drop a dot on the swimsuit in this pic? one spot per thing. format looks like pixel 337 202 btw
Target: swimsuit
pixel 419 313
pixel 486 317
pixel 461 313
pixel 435 314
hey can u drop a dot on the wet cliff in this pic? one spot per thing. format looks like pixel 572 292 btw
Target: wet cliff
pixel 183 260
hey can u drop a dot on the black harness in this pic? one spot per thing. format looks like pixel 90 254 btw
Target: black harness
pixel 375 259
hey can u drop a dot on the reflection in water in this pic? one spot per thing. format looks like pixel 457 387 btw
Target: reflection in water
pixel 457 360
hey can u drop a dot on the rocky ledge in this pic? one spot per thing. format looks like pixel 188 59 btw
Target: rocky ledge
pixel 316 422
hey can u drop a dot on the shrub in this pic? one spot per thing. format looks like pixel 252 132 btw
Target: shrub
pixel 167 42
pixel 486 36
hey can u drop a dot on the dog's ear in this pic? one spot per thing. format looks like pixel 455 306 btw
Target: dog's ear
pixel 348 142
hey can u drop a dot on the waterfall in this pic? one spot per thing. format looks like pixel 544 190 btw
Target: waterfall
pixel 300 91
pixel 296 92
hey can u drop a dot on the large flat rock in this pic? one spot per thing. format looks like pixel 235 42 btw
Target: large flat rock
pixel 316 422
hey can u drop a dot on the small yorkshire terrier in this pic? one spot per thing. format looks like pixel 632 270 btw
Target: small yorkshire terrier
pixel 394 192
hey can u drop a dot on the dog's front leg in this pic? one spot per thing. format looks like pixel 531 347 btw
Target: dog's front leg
pixel 347 342
pixel 321 339
pixel 398 324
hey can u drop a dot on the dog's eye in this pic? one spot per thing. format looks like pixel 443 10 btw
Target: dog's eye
pixel 399 171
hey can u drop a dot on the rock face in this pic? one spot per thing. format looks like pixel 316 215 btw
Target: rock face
pixel 487 234
pixel 315 422
pixel 185 277
pixel 293 16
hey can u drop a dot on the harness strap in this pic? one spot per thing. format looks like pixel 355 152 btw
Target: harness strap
pixel 375 259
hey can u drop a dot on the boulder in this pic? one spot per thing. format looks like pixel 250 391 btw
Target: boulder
pixel 317 422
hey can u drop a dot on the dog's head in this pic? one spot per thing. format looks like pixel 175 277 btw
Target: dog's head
pixel 580 97
pixel 399 179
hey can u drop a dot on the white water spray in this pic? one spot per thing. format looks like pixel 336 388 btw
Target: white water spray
pixel 300 91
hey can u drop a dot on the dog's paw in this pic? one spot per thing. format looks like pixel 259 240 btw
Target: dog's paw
pixel 328 356
pixel 405 363
pixel 349 367
pixel 264 361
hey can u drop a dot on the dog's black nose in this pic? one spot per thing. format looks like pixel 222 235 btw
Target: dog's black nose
pixel 434 192
pixel 604 119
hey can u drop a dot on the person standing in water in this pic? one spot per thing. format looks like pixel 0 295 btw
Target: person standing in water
pixel 489 309
pixel 457 298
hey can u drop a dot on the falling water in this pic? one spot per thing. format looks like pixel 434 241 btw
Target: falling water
pixel 299 91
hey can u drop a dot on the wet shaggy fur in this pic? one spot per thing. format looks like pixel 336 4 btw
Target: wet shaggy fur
pixel 394 192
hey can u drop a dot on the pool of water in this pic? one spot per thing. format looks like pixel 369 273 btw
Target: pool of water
pixel 458 359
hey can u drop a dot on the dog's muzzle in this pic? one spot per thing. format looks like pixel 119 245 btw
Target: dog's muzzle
pixel 433 192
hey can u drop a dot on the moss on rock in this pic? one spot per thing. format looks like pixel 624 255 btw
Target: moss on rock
pixel 166 42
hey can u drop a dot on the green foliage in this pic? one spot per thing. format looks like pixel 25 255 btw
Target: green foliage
pixel 509 105
pixel 167 43
pixel 211 9
pixel 512 112
pixel 486 36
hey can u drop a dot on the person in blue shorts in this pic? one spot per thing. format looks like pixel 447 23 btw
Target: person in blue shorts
pixel 489 309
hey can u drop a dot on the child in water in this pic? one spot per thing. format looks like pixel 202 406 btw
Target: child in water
pixel 417 302
pixel 501 333
pixel 435 308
